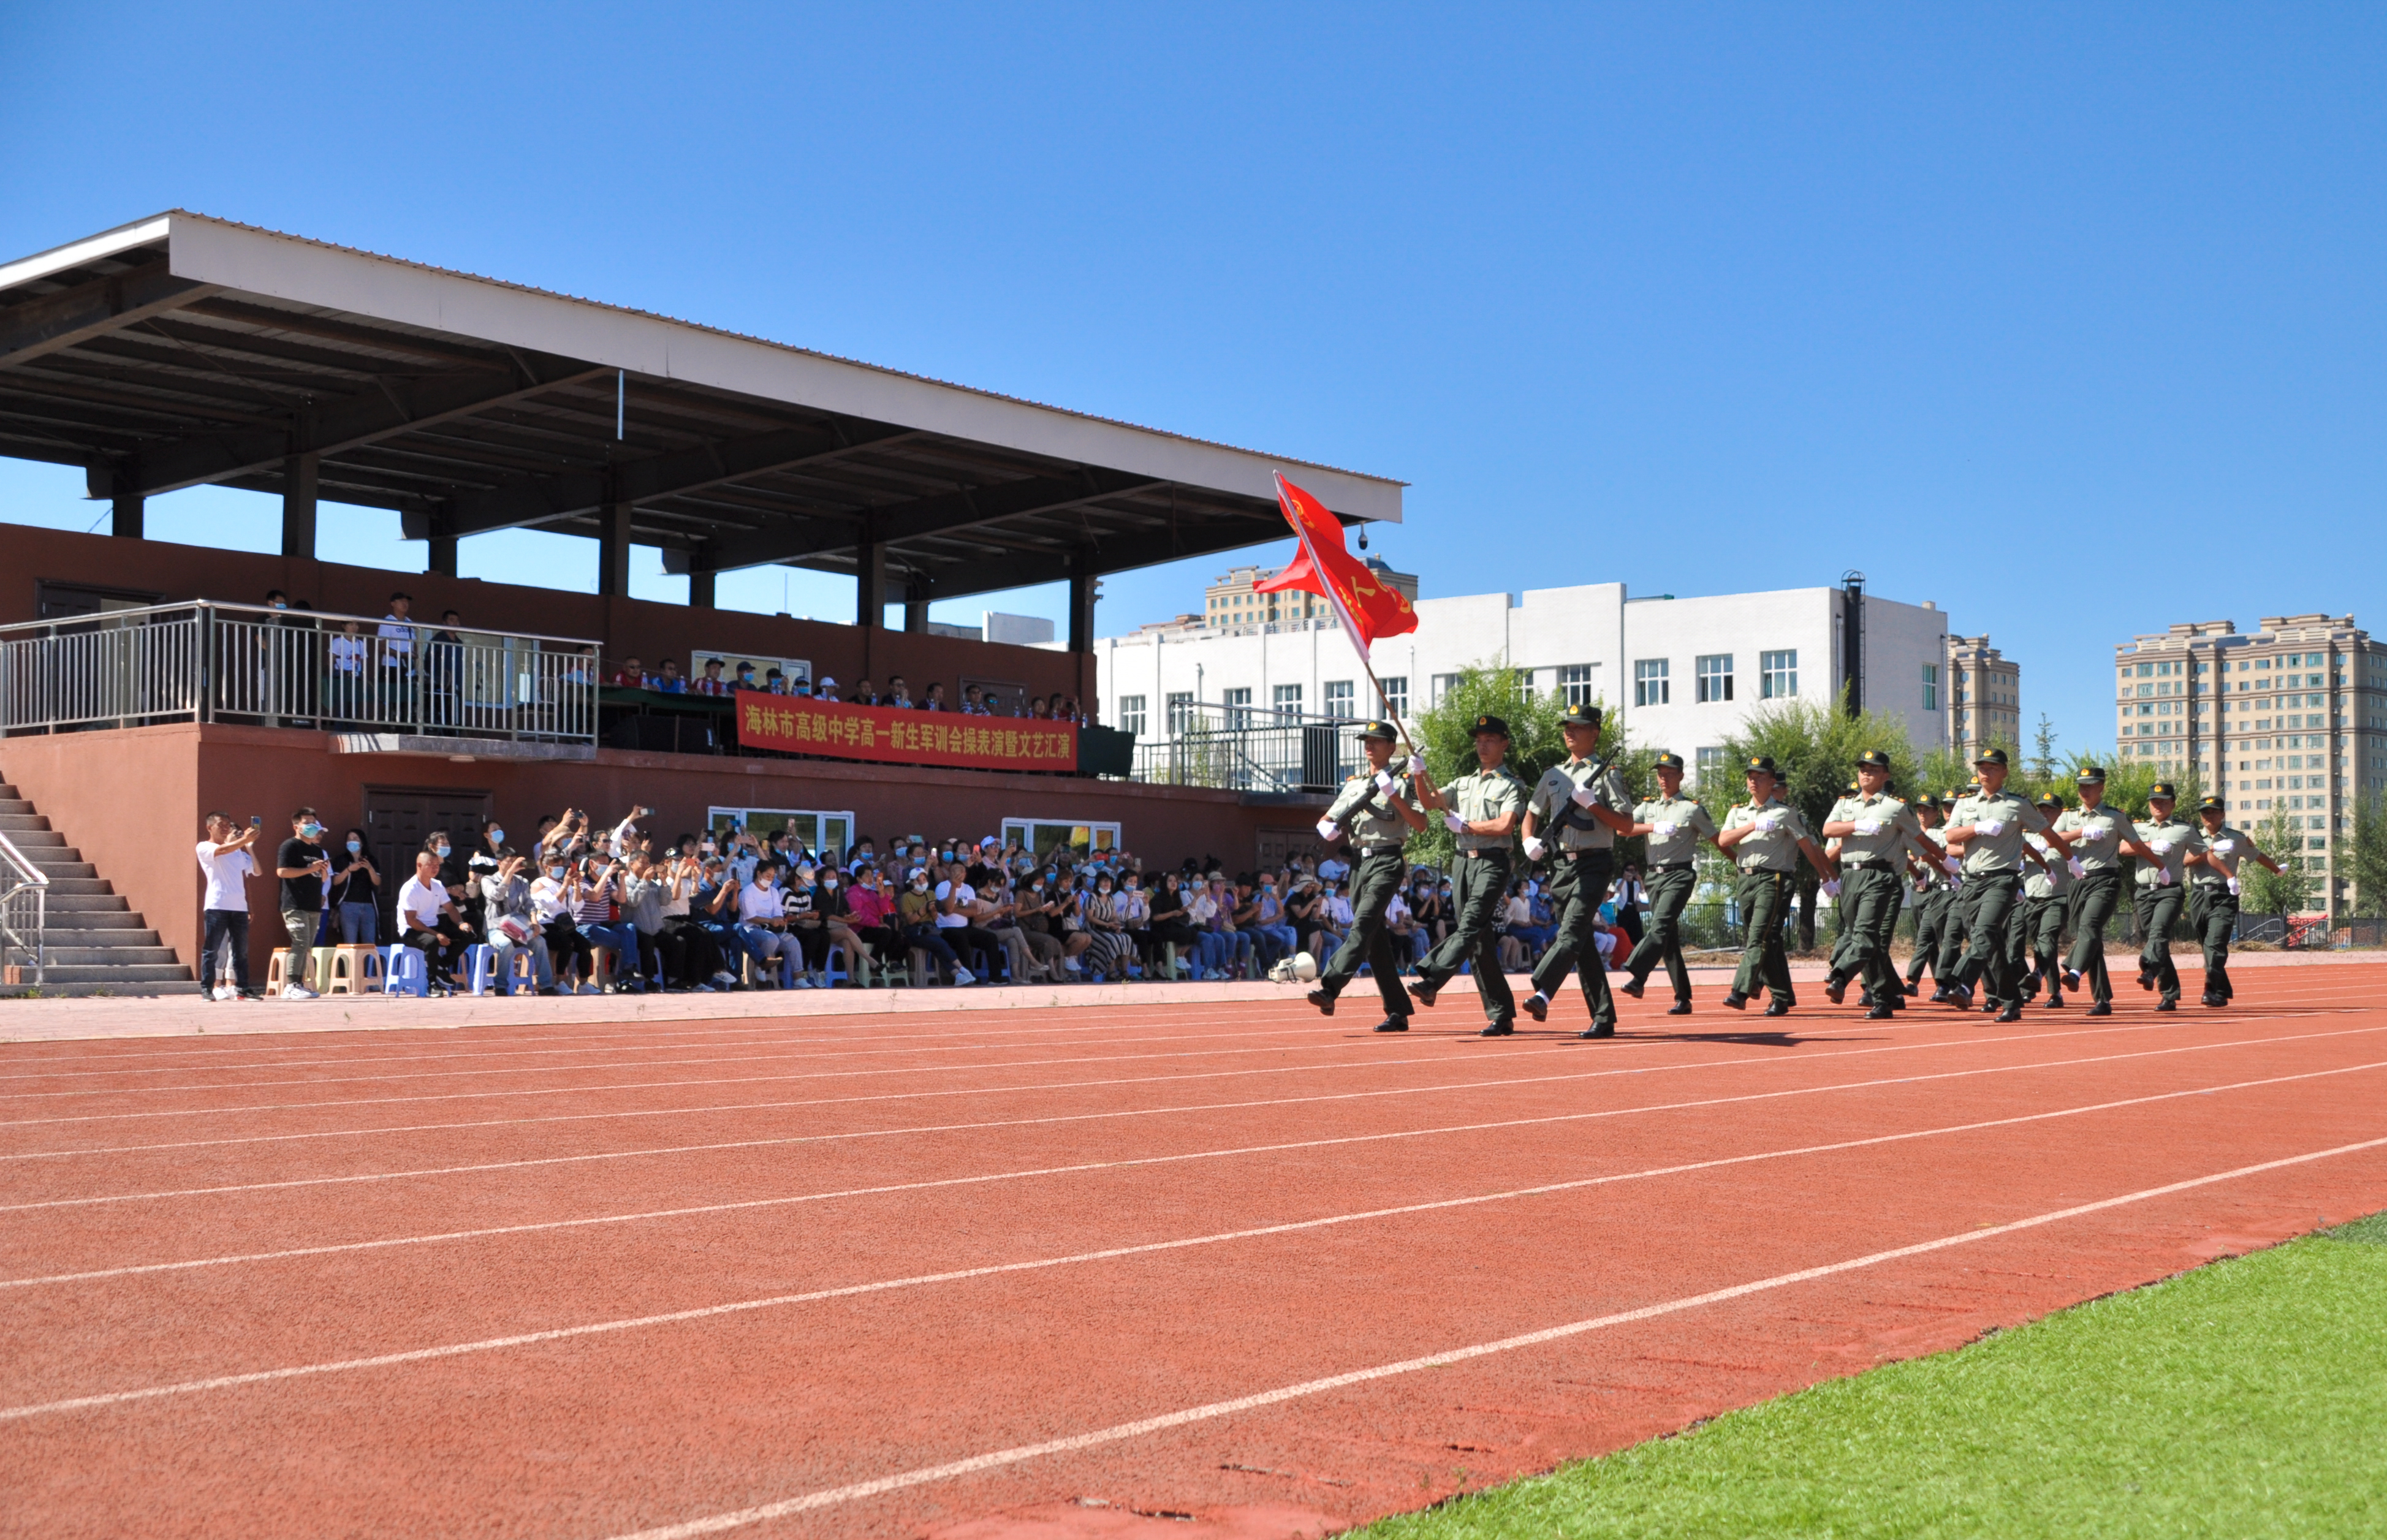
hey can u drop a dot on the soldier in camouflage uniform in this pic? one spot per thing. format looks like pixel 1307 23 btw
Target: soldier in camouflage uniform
pixel 1673 824
pixel 2212 893
pixel 1379 807
pixel 1873 828
pixel 1764 839
pixel 1580 806
pixel 1482 810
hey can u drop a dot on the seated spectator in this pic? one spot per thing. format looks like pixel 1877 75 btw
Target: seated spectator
pixel 594 910
pixel 1134 907
pixel 1039 914
pixel 1335 911
pixel 917 916
pixel 669 681
pixel 1110 949
pixel 1269 923
pixel 682 874
pixel 863 694
pixel 711 683
pixel 774 682
pixel 1304 910
pixel 870 914
pixel 762 928
pixel 934 699
pixel 745 679
pixel 429 922
pixel 824 689
pixel 1040 709
pixel 961 914
pixel 554 892
pixel 801 686
pixel 629 675
pixel 973 701
pixel 898 694
pixel 356 890
pixel 512 926
pixel 1401 926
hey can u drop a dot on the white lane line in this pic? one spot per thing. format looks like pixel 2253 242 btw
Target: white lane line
pixel 1135 1162
pixel 1777 1056
pixel 922 1475
pixel 707 1312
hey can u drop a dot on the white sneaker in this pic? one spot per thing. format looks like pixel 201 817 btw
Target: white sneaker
pixel 296 991
pixel 590 989
pixel 963 976
pixel 803 980
pixel 221 991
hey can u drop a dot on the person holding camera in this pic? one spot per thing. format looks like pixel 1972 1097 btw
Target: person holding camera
pixel 225 861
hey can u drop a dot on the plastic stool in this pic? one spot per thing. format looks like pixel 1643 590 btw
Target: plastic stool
pixel 277 972
pixel 403 973
pixel 481 967
pixel 354 970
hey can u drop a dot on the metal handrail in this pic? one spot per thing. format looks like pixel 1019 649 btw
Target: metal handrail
pixel 24 879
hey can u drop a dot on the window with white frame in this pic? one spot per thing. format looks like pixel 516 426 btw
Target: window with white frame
pixel 1715 676
pixel 1931 687
pixel 1708 762
pixel 1340 698
pixel 1288 699
pixel 1576 683
pixel 1651 687
pixel 1180 711
pixel 1130 714
pixel 1239 706
pixel 1442 685
pixel 1521 681
pixel 1778 674
pixel 1397 693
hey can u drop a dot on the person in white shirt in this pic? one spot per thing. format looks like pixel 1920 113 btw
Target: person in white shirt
pixel 762 927
pixel 226 863
pixel 423 904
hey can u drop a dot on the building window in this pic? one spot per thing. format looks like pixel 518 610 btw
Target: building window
pixel 1778 674
pixel 1709 762
pixel 1442 685
pixel 1715 673
pixel 1288 699
pixel 1239 706
pixel 1130 714
pixel 1521 681
pixel 1574 682
pixel 1339 697
pixel 1931 687
pixel 1649 684
pixel 1397 693
pixel 1180 711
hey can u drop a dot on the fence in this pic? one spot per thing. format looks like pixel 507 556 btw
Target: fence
pixel 1247 749
pixel 206 662
pixel 24 917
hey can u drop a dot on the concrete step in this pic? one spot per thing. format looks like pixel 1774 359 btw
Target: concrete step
pixel 57 988
pixel 32 840
pixel 22 821
pixel 15 805
pixel 85 935
pixel 107 956
pixel 132 974
pixel 68 897
pixel 9 793
pixel 51 865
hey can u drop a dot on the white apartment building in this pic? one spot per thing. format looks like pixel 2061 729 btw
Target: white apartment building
pixel 2292 717
pixel 1684 672
pixel 1985 696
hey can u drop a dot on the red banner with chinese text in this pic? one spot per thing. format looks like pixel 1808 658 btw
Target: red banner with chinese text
pixel 799 725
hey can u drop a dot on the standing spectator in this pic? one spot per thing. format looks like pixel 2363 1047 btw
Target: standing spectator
pixel 301 866
pixel 225 861
pixel 355 892
pixel 348 652
pixel 395 648
pixel 1630 895
pixel 480 866
pixel 1135 918
pixel 428 922
pixel 443 662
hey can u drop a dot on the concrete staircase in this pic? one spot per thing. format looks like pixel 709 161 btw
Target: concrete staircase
pixel 97 944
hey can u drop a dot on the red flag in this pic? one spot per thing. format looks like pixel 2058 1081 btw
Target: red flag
pixel 1368 608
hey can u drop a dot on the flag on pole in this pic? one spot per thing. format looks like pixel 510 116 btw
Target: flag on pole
pixel 1367 608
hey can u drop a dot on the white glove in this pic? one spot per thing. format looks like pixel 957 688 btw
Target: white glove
pixel 1329 830
pixel 1769 822
pixel 1955 867
pixel 1663 831
pixel 2233 887
pixel 1994 828
pixel 2162 876
pixel 1868 826
pixel 2078 869
pixel 2225 846
pixel 1417 764
pixel 1831 889
pixel 1533 847
pixel 2094 832
pixel 1454 823
pixel 1584 798
pixel 1383 780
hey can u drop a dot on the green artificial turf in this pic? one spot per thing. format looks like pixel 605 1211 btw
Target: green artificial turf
pixel 2244 1398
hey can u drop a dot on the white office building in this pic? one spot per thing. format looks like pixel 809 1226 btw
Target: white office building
pixel 1686 672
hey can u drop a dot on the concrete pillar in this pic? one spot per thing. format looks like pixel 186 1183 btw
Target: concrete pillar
pixel 700 590
pixel 915 615
pixel 613 551
pixel 443 554
pixel 1084 588
pixel 870 584
pixel 298 477
pixel 125 518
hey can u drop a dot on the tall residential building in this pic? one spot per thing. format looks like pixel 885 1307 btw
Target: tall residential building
pixel 1685 673
pixel 1230 600
pixel 2292 717
pixel 1983 696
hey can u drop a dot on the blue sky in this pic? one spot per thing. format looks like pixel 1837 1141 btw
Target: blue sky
pixel 2069 319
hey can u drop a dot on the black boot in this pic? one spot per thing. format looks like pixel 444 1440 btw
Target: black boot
pixel 1394 1024
pixel 1323 1000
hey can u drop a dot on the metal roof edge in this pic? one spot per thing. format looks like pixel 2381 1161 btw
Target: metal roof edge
pixel 74 254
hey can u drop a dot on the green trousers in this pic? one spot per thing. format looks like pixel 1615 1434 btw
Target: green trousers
pixel 1993 936
pixel 2093 900
pixel 2213 915
pixel 1931 908
pixel 1954 927
pixel 1375 879
pixel 1764 899
pixel 1869 901
pixel 1661 940
pixel 1578 887
pixel 2042 927
pixel 1478 884
pixel 2158 907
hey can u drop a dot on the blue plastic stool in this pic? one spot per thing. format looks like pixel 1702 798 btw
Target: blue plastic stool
pixel 403 973
pixel 480 967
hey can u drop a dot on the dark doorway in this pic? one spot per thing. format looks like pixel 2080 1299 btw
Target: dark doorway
pixel 397 819
pixel 68 600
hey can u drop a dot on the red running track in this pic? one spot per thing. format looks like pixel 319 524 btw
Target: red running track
pixel 1074 1272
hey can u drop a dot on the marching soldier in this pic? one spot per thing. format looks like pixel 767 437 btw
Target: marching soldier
pixel 1935 891
pixel 2101 837
pixel 1482 810
pixel 2046 901
pixel 1764 838
pixel 1379 807
pixel 1988 826
pixel 2162 890
pixel 2212 893
pixel 1581 804
pixel 1873 828
pixel 1673 824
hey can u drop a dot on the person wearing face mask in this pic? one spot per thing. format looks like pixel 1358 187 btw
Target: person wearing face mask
pixel 356 883
pixel 480 866
pixel 762 929
pixel 452 874
pixel 870 913
pixel 513 927
pixel 1038 917
pixel 1270 924
pixel 301 865
pixel 916 917
pixel 555 894
pixel 1134 907
pixel 1108 947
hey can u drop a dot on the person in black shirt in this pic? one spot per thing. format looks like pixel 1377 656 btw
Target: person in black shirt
pixel 302 868
pixel 356 897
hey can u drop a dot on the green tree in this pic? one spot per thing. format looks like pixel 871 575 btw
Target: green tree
pixel 2362 855
pixel 2042 755
pixel 2280 837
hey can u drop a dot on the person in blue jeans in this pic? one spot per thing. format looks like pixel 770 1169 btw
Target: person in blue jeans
pixel 355 894
pixel 1270 921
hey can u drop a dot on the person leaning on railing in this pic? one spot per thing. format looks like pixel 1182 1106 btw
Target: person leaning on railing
pixel 303 869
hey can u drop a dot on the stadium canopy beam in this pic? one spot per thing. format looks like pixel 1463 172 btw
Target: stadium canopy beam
pixel 92 310
pixel 946 513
